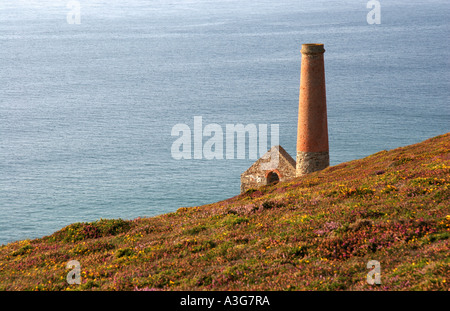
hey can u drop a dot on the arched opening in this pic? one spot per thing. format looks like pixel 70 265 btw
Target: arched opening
pixel 272 178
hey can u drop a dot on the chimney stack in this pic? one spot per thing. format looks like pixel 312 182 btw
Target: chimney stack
pixel 312 130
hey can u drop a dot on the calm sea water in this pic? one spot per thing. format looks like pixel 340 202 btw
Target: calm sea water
pixel 86 111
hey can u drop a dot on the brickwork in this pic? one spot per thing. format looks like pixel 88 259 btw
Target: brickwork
pixel 312 128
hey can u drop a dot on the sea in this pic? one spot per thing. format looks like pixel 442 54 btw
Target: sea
pixel 92 90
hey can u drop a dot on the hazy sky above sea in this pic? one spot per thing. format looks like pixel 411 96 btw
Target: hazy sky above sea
pixel 118 8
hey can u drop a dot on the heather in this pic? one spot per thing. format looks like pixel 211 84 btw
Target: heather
pixel 312 233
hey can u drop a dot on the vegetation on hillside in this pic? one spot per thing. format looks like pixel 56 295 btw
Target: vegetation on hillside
pixel 317 232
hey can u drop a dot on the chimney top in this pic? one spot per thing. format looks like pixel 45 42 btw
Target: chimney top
pixel 312 48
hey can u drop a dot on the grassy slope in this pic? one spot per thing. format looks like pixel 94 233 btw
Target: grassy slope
pixel 312 233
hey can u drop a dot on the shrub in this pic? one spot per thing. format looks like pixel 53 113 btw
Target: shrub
pixel 298 251
pixel 124 252
pixel 400 161
pixel 209 244
pixel 204 280
pixel 100 228
pixel 271 204
pixel 23 250
pixel 232 220
pixel 250 191
pixel 95 247
pixel 195 230
pixel 437 236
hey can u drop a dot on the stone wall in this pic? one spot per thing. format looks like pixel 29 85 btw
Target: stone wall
pixel 308 162
pixel 256 176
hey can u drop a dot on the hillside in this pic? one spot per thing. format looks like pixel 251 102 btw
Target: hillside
pixel 313 233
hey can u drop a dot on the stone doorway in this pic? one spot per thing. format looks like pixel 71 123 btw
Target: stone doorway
pixel 272 178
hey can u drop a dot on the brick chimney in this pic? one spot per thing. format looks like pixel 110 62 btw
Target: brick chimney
pixel 312 130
